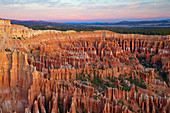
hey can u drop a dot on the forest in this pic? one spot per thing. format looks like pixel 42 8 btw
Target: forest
pixel 144 31
pixel 84 27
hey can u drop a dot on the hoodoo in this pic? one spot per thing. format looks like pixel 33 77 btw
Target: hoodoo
pixel 89 71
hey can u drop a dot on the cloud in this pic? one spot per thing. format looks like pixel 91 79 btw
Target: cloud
pixel 29 2
pixel 5 2
pixel 134 5
pixel 88 9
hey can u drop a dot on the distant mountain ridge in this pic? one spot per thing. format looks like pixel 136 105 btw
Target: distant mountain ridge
pixel 40 22
pixel 125 24
pixel 35 22
pixel 138 22
pixel 153 23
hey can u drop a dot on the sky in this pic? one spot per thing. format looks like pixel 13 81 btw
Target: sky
pixel 85 10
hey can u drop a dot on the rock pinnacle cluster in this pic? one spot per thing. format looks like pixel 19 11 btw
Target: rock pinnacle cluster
pixel 48 71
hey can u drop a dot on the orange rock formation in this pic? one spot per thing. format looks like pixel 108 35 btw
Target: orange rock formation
pixel 92 71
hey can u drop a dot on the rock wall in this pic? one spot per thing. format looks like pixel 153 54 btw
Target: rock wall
pixel 5 22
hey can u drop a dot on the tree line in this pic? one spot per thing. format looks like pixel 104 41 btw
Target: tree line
pixel 65 27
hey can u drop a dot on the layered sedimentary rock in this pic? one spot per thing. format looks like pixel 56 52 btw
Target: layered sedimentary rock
pixel 15 79
pixel 92 71
pixel 4 22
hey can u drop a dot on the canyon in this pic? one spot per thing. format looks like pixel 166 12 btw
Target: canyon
pixel 49 71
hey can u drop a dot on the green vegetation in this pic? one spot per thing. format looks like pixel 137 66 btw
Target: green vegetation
pixel 111 79
pixel 82 105
pixel 19 38
pixel 158 67
pixel 83 108
pixel 46 105
pixel 31 51
pixel 97 81
pixel 109 84
pixel 80 76
pixel 121 77
pixel 76 111
pixel 164 76
pixel 125 86
pixel 156 91
pixel 137 82
pixel 136 89
pixel 149 64
pixel 130 108
pixel 95 97
pixel 61 108
pixel 130 58
pixel 7 50
pixel 85 111
pixel 65 27
pixel 120 102
pixel 145 31
pixel 138 111
pixel 38 48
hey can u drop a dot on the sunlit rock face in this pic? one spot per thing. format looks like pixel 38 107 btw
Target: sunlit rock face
pixel 15 79
pixel 4 22
pixel 87 71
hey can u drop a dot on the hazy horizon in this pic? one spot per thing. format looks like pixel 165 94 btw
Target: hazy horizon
pixel 107 20
pixel 94 20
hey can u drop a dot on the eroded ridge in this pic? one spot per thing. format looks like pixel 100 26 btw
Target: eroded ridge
pixel 68 72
